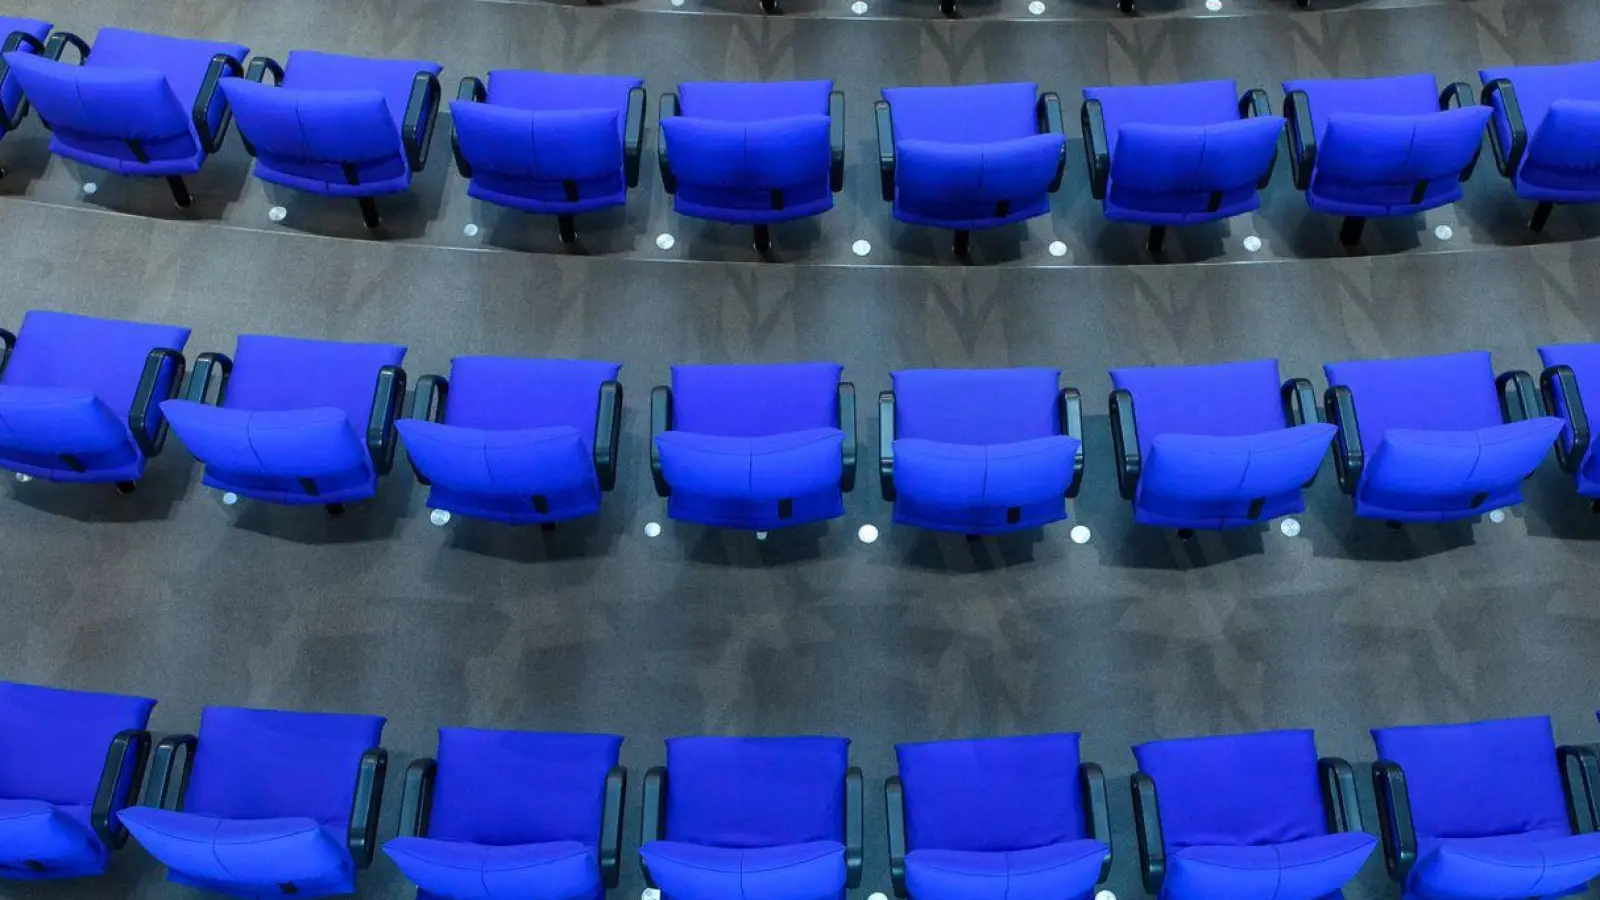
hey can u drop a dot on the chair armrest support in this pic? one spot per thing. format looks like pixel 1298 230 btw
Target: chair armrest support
pixel 146 404
pixel 422 113
pixel 1096 812
pixel 416 798
pixel 1069 415
pixel 8 342
pixel 849 448
pixel 608 434
pixel 660 423
pixel 611 826
pixel 1559 384
pixel 1125 443
pixel 669 108
pixel 1302 137
pixel 1397 834
pixel 164 790
pixel 57 43
pixel 1299 403
pixel 364 806
pixel 1096 148
pixel 260 67
pixel 1348 454
pixel 1048 114
pixel 1506 159
pixel 209 367
pixel 1147 828
pixel 1253 104
pixel 653 820
pixel 222 66
pixel 894 800
pixel 119 784
pixel 885 122
pixel 886 445
pixel 853 842
pixel 386 400
pixel 836 141
pixel 1519 396
pixel 15 41
pixel 428 405
pixel 1454 96
pixel 1339 801
pixel 1581 810
pixel 470 90
pixel 633 134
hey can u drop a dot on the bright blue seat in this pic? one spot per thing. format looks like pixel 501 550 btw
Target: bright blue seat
pixel 741 818
pixel 79 396
pixel 1246 817
pixel 338 126
pixel 20 36
pixel 1178 154
pixel 979 451
pixel 294 421
pixel 1434 438
pixel 505 815
pixel 1380 147
pixel 1012 817
pixel 970 157
pixel 516 440
pixel 1214 447
pixel 265 803
pixel 752 153
pixel 69 762
pixel 547 143
pixel 1481 811
pixel 1545 132
pixel 1570 370
pixel 754 446
pixel 138 104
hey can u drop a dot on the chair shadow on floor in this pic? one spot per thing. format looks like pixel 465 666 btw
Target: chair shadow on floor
pixel 165 483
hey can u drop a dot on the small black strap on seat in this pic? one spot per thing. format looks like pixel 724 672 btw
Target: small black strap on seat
pixel 1477 500
pixel 74 463
pixel 1013 515
pixel 777 198
pixel 288 887
pixel 308 485
pixel 1002 209
pixel 350 173
pixel 34 865
pixel 786 508
pixel 1215 203
pixel 1420 191
pixel 541 504
pixel 137 147
pixel 571 187
pixel 1255 507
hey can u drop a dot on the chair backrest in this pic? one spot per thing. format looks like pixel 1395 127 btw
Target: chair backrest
pixel 1537 89
pixel 533 91
pixel 1193 103
pixel 53 743
pixel 1223 400
pixel 758 164
pixel 521 151
pixel 1454 391
pixel 755 400
pixel 1236 790
pixel 278 374
pixel 504 788
pixel 499 393
pixel 1383 158
pixel 267 764
pixel 105 356
pixel 1395 95
pixel 975 181
pixel 969 114
pixel 316 134
pixel 738 101
pixel 10 88
pixel 1154 163
pixel 1564 151
pixel 103 112
pixel 756 792
pixel 993 795
pixel 977 406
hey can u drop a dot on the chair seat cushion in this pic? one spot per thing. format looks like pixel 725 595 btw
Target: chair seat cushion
pixel 554 460
pixel 299 443
pixel 34 832
pixel 238 851
pixel 1562 162
pixel 1416 469
pixel 1375 163
pixel 1054 872
pixel 1516 865
pixel 1234 467
pixel 1179 174
pixel 963 476
pixel 771 467
pixel 979 173
pixel 461 871
pixel 1295 870
pixel 809 871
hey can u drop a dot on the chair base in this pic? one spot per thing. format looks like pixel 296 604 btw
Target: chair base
pixel 369 212
pixel 1350 231
pixel 1541 216
pixel 1157 240
pixel 126 487
pixel 1392 525
pixel 1185 534
pixel 568 229
pixel 963 243
pixel 950 9
pixel 1127 6
pixel 770 7
pixel 335 509
pixel 180 192
pixel 763 239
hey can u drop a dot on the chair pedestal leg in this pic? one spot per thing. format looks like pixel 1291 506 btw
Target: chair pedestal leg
pixel 335 509
pixel 770 7
pixel 963 243
pixel 547 527
pixel 1157 240
pixel 180 192
pixel 1541 216
pixel 763 239
pixel 369 212
pixel 1350 231
pixel 126 487
pixel 2 172
pixel 568 228
pixel 1185 534
pixel 950 8
pixel 1127 6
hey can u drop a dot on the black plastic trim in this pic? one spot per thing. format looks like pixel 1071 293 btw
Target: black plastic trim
pixel 1096 149
pixel 1348 454
pixel 386 399
pixel 120 781
pixel 653 818
pixel 1147 828
pixel 8 342
pixel 854 844
pixel 1096 812
pixel 1339 800
pixel 1582 813
pixel 1125 443
pixel 14 42
pixel 669 108
pixel 208 368
pixel 1396 832
pixel 660 423
pixel 416 798
pixel 1050 121
pixel 885 122
pixel 163 792
pixel 1506 159
pixel 210 90
pixel 611 822
pixel 1519 396
pixel 146 405
pixel 836 141
pixel 365 806
pixel 1301 135
pixel 469 90
pixel 633 134
pixel 422 113
pixel 886 445
pixel 57 43
pixel 1069 418
pixel 849 448
pixel 608 433
pixel 1561 383
pixel 1456 95
pixel 1254 104
pixel 894 799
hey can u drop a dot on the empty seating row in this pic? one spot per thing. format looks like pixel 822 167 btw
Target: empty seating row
pixel 272 803
pixel 972 451
pixel 959 158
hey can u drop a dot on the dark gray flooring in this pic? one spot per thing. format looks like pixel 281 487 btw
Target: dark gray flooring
pixel 596 627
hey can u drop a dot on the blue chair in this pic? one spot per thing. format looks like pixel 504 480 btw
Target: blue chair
pixel 1544 132
pixel 979 451
pixel 755 446
pixel 505 815
pixel 971 157
pixel 546 143
pixel 79 397
pixel 1568 369
pixel 1381 147
pixel 293 421
pixel 1434 438
pixel 338 126
pixel 1214 447
pixel 516 440
pixel 752 153
pixel 990 819
pixel 1247 817
pixel 265 803
pixel 1484 811
pixel 1179 154
pixel 139 104
pixel 70 761
pixel 729 818
pixel 19 36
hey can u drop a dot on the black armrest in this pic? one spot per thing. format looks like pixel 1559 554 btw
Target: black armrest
pixel 1147 828
pixel 1096 812
pixel 1339 801
pixel 165 791
pixel 894 799
pixel 146 403
pixel 669 108
pixel 1048 112
pixel 1519 396
pixel 633 135
pixel 1069 415
pixel 416 798
pixel 1096 149
pixel 386 400
pixel 1559 385
pixel 611 827
pixel 7 342
pixel 885 120
pixel 257 72
pixel 470 90
pixel 847 424
pixel 57 43
pixel 607 434
pixel 427 404
pixel 1300 408
pixel 15 41
pixel 222 66
pixel 1125 443
pixel 660 423
pixel 886 444
pixel 653 821
pixel 853 842
pixel 422 111
pixel 1581 811
pixel 1454 96
pixel 1506 159
pixel 1399 837
pixel 209 367
pixel 119 784
pixel 1348 455
pixel 1253 104
pixel 1302 136
pixel 364 806
pixel 836 141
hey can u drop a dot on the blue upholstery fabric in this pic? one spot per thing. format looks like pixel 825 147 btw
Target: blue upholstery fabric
pixel 1584 359
pixel 1434 438
pixel 970 157
pixel 134 87
pixel 810 871
pixel 1560 114
pixel 1378 139
pixel 10 88
pixel 334 126
pixel 454 870
pixel 69 389
pixel 53 746
pixel 1306 869
pixel 1066 870
pixel 743 101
